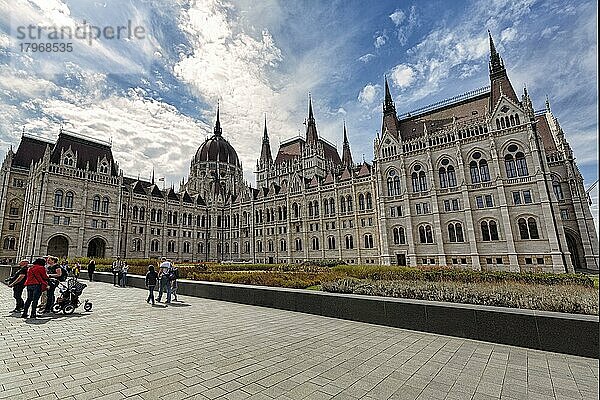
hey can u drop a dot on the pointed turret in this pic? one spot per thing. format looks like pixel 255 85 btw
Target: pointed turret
pixel 311 127
pixel 265 152
pixel 346 154
pixel 499 82
pixel 390 120
pixel 218 131
pixel 388 104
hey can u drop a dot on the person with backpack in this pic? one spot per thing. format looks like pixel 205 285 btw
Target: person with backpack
pixel 56 273
pixel 165 283
pixel 173 276
pixel 151 280
pixel 91 268
pixel 17 282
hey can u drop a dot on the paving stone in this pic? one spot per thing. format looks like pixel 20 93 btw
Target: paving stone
pixel 216 350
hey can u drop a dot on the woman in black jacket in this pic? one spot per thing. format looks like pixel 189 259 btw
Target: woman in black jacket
pixel 91 268
pixel 151 279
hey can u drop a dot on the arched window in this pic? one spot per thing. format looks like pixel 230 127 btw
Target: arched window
pixel 298 244
pixel 104 168
pixel 443 177
pixel 58 199
pixel 69 200
pixel 153 215
pixel 349 242
pixel 390 186
pixel 105 203
pixel 361 202
pixel 68 160
pixel 332 205
pixel 135 212
pixel 342 204
pixel 96 204
pixel 368 239
pixel 521 164
pixel 331 242
pixel 557 188
pixel 523 231
pixel 349 203
pixel 401 235
pixel 310 209
pixel 316 207
pixel 159 214
pixel 489 230
pixel 296 210
pixel 509 164
pixel 315 243
pixel 484 171
pixel 9 243
pixel 474 168
pixel 455 232
pixel 184 219
pixel 282 245
pixel 396 235
pixel 425 234
pixel 171 246
pixel 423 181
pixel 451 176
pixel 143 213
pixel 175 219
pixel 369 201
pixel 415 182
pixel 137 245
pixel 517 119
pixel 236 248
pixel 155 245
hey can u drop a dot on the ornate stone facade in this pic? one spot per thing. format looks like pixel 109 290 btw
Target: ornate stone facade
pixel 479 181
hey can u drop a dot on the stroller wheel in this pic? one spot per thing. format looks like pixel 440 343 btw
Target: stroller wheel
pixel 69 308
pixel 87 306
pixel 56 308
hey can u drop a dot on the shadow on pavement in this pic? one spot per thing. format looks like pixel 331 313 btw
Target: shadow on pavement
pixel 179 304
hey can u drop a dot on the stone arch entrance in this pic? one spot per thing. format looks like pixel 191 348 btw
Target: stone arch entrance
pixel 575 248
pixel 96 248
pixel 58 246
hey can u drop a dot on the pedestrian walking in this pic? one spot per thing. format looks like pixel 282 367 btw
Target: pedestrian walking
pixel 116 270
pixel 151 280
pixel 17 283
pixel 91 268
pixel 164 282
pixel 124 271
pixel 76 270
pixel 56 273
pixel 173 276
pixel 36 283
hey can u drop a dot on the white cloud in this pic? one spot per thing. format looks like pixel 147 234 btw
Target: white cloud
pixel 402 75
pixel 508 34
pixel 380 41
pixel 397 17
pixel 367 57
pixel 549 31
pixel 369 94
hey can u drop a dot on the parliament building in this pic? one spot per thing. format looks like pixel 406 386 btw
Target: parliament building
pixel 480 181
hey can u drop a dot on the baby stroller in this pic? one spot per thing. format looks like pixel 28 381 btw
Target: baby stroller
pixel 68 300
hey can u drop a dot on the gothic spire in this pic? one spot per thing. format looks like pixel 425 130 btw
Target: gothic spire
pixel 346 154
pixel 265 152
pixel 496 63
pixel 218 130
pixel 311 128
pixel 388 104
pixel 499 82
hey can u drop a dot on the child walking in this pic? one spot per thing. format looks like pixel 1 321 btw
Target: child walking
pixel 151 279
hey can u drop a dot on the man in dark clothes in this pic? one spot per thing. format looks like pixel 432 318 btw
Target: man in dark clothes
pixel 57 274
pixel 18 284
pixel 91 268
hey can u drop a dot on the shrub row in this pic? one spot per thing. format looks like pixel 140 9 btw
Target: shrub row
pixel 560 298
pixel 437 274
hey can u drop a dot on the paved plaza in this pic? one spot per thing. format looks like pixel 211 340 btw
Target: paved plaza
pixel 208 349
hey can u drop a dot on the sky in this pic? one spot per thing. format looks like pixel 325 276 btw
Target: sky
pixel 154 97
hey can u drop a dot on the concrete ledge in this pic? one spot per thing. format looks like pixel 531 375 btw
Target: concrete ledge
pixel 549 331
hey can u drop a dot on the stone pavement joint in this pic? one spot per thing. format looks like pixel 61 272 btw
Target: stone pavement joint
pixel 207 349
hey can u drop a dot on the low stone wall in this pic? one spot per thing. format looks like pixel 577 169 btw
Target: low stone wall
pixel 549 331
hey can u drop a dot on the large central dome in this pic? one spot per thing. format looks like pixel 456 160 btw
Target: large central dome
pixel 217 149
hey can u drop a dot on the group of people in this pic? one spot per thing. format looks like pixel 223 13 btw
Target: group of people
pixel 165 278
pixel 40 279
pixel 119 270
